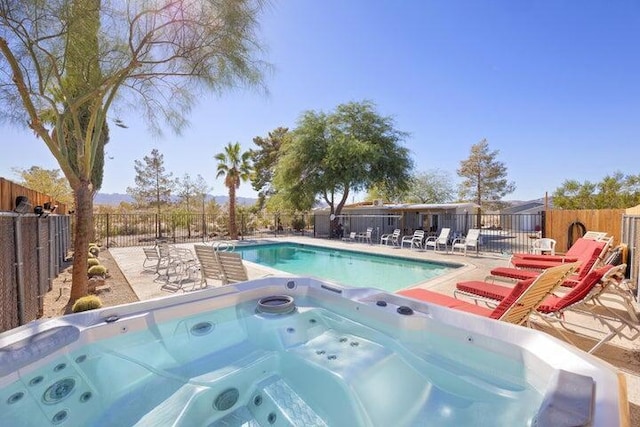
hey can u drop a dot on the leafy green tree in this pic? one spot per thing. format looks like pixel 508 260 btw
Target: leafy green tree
pixel 617 191
pixel 186 191
pixel 331 155
pixel 484 177
pixel 434 186
pixel 264 160
pixel 65 63
pixel 201 191
pixel 190 192
pixel 46 181
pixel 154 184
pixel 235 167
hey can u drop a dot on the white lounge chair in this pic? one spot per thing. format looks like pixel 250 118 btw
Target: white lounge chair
pixel 209 264
pixel 182 266
pixel 415 241
pixel 152 259
pixel 437 242
pixel 463 243
pixel 233 269
pixel 392 238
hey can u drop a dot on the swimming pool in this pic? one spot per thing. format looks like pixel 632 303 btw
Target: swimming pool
pixel 346 267
pixel 338 357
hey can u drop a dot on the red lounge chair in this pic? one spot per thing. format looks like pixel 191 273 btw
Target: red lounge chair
pixel 492 292
pixel 589 254
pixel 516 308
pixel 593 296
pixel 529 268
pixel 579 247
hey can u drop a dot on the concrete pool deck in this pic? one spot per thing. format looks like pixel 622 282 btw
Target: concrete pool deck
pixel 146 286
pixel 623 354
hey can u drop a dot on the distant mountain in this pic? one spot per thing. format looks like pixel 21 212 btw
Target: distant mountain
pixel 111 199
pixel 115 199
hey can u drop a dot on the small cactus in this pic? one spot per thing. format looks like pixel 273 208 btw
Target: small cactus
pixel 90 302
pixel 92 261
pixel 94 249
pixel 97 270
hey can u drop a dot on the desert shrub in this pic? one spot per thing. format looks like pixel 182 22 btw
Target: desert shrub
pixel 298 223
pixel 90 302
pixel 97 270
pixel 92 261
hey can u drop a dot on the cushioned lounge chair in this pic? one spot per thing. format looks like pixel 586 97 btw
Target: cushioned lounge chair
pixel 437 242
pixel 492 292
pixel 471 241
pixel 574 253
pixel 529 268
pixel 516 308
pixel 587 297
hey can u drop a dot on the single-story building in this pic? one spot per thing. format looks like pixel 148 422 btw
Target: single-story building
pixel 523 217
pixel 384 218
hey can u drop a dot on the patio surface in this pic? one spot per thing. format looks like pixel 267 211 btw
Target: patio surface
pixel 623 354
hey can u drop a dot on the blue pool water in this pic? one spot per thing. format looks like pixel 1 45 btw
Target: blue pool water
pixel 345 267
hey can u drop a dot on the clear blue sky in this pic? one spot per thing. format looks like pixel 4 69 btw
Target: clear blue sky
pixel 553 85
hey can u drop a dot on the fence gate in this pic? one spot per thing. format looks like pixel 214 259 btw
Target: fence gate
pixel 631 236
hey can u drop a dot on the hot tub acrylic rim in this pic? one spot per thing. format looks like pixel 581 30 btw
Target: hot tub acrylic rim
pixel 91 324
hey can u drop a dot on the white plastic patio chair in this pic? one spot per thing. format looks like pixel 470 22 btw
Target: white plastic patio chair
pixel 464 243
pixel 392 238
pixel 366 236
pixel 544 245
pixel 350 238
pixel 415 241
pixel 437 242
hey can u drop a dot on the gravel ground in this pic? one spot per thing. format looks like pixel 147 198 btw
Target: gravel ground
pixel 115 291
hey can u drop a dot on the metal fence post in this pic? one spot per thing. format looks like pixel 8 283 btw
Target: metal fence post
pixel 17 229
pixel 108 232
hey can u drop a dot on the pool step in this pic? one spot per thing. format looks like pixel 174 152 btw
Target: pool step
pixel 274 403
pixel 240 417
pixel 289 403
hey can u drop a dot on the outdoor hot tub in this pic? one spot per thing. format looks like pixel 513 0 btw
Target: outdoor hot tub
pixel 285 351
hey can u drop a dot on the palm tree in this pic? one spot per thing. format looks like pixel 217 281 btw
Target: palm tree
pixel 235 167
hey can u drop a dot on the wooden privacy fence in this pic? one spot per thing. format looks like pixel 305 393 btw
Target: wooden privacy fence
pixel 32 253
pixel 10 190
pixel 565 226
